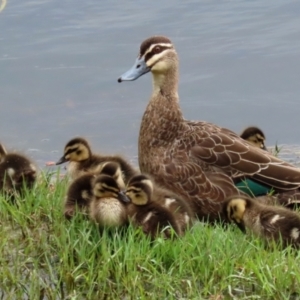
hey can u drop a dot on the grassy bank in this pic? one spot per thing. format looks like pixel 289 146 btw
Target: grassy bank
pixel 44 256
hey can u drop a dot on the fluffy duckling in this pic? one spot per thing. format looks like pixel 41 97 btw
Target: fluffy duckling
pixel 272 223
pixel 254 136
pixel 80 191
pixel 176 205
pixel 79 195
pixel 16 172
pixel 143 211
pixel 108 208
pixel 81 159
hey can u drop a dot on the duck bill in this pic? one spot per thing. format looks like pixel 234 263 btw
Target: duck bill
pixel 241 226
pixel 138 69
pixel 122 197
pixel 61 161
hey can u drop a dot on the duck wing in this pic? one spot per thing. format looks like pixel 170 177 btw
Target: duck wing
pixel 224 149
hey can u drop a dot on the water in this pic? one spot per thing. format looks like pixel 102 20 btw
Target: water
pixel 60 60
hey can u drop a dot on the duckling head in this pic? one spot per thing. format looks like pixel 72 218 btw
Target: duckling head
pixel 255 136
pixel 139 190
pixel 77 150
pixel 113 169
pixel 234 209
pixel 105 186
pixel 17 171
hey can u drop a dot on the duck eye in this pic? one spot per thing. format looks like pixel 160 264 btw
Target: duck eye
pixel 156 49
pixel 78 152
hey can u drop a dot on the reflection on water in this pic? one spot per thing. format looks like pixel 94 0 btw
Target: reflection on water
pixel 60 61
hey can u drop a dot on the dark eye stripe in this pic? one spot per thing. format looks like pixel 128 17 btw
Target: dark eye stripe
pixel 112 190
pixel 71 150
pixel 152 53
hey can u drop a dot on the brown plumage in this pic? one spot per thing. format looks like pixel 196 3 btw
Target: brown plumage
pixel 107 207
pixel 272 223
pixel 79 195
pixel 16 172
pixel 197 160
pixel 80 191
pixel 180 208
pixel 81 160
pixel 149 213
pixel 255 136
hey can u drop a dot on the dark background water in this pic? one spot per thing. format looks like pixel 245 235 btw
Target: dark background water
pixel 60 60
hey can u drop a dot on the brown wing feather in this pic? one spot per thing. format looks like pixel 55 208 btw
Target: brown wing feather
pixel 211 188
pixel 225 149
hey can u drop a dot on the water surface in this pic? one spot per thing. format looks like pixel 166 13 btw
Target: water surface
pixel 60 60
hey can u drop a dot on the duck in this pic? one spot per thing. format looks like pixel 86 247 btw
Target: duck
pixel 17 172
pixel 199 161
pixel 108 205
pixel 81 159
pixel 147 212
pixel 272 223
pixel 255 136
pixel 80 191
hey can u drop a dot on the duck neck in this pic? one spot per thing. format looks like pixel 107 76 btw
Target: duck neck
pixel 165 100
pixel 163 117
pixel 166 83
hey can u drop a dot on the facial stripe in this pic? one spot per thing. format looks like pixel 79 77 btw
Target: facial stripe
pixel 71 149
pixel 152 57
pixel 152 41
pixel 163 46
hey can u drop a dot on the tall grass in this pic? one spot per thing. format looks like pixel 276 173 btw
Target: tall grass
pixel 44 256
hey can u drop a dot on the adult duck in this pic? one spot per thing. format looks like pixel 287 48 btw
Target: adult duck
pixel 198 160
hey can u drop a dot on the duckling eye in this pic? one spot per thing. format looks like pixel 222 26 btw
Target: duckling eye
pixel 78 152
pixel 156 49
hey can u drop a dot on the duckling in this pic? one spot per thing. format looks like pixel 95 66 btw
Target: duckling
pixel 81 159
pixel 80 191
pixel 16 172
pixel 114 170
pixel 254 136
pixel 178 206
pixel 79 195
pixel 107 207
pixel 272 223
pixel 144 211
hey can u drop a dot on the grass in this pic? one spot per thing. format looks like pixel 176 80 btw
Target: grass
pixel 43 256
